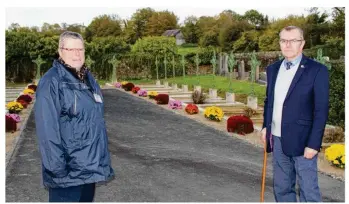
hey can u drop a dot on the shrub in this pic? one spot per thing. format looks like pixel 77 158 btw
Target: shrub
pixel 240 124
pixel 249 112
pixel 336 115
pixel 198 97
pixel 162 99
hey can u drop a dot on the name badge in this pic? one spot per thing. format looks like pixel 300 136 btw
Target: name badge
pixel 98 98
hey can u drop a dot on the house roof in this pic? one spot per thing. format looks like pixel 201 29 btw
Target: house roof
pixel 170 33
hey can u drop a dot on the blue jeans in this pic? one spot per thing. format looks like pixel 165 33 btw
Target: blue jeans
pixel 286 169
pixel 82 193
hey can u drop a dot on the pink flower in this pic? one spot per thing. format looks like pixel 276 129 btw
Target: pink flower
pixel 175 104
pixel 142 92
pixel 117 85
pixel 14 116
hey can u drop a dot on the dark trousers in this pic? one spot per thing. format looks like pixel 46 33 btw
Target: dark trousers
pixel 286 169
pixel 82 193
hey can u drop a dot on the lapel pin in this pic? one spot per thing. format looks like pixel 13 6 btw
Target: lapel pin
pixel 302 66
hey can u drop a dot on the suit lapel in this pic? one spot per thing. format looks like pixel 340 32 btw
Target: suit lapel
pixel 298 75
pixel 274 74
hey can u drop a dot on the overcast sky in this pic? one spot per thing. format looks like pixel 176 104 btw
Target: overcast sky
pixel 36 16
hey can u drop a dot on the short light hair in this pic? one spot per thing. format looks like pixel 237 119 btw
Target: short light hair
pixel 69 35
pixel 288 28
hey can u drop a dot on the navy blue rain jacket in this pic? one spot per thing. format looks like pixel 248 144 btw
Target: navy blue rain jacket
pixel 71 130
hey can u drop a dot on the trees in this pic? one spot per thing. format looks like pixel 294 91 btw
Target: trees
pixel 190 30
pixel 136 27
pixel 103 26
pixel 161 21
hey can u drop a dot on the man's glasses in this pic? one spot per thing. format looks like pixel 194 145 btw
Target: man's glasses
pixel 293 41
pixel 73 49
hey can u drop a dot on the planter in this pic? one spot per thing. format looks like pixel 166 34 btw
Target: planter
pixel 158 83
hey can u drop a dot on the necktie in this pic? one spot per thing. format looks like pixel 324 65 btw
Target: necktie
pixel 288 65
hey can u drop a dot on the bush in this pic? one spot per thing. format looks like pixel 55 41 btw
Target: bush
pixel 240 124
pixel 336 114
pixel 128 87
pixel 198 97
pixel 162 99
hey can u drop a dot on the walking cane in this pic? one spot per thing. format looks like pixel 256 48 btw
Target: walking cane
pixel 263 171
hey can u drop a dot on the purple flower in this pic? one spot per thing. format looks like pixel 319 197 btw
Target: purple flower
pixel 175 104
pixel 117 85
pixel 142 92
pixel 14 116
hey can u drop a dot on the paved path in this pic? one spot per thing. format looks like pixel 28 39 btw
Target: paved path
pixel 160 156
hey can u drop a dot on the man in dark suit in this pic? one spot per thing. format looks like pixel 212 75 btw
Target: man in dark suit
pixel 295 115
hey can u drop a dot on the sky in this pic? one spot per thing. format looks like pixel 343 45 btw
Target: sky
pixel 36 16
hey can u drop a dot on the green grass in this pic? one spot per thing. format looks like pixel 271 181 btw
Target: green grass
pixel 186 50
pixel 11 84
pixel 240 88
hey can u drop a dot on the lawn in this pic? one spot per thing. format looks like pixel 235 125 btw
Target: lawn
pixel 240 88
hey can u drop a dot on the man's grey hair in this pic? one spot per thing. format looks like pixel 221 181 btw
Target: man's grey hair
pixel 288 28
pixel 69 35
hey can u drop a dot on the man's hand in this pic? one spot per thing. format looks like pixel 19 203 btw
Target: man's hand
pixel 309 153
pixel 263 134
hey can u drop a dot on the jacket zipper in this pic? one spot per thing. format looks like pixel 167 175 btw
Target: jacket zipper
pixel 74 103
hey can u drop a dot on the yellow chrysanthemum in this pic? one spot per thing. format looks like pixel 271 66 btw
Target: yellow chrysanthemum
pixel 14 105
pixel 28 91
pixel 152 93
pixel 124 82
pixel 343 159
pixel 214 113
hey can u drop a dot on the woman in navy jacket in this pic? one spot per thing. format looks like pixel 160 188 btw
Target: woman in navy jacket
pixel 70 126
